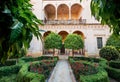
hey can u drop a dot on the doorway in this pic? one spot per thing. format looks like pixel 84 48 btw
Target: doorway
pixel 62 51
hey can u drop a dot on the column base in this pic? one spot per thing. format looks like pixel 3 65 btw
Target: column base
pixel 34 54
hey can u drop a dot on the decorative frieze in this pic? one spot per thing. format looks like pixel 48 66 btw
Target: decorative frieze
pixel 94 27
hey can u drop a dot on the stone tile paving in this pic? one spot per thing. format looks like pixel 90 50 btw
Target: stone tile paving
pixel 62 72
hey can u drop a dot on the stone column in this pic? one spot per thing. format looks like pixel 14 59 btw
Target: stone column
pixel 70 13
pixel 56 13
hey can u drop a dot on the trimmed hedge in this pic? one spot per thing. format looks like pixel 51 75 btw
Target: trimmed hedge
pixel 102 62
pixel 25 76
pixel 31 59
pixel 113 73
pixel 100 76
pixel 10 78
pixel 109 53
pixel 115 64
pixel 8 70
pixel 8 63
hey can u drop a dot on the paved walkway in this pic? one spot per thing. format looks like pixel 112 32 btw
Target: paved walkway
pixel 62 72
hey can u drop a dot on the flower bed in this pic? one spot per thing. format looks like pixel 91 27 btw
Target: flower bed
pixel 44 67
pixel 21 72
pixel 80 68
pixel 89 69
pixel 25 76
pixel 36 71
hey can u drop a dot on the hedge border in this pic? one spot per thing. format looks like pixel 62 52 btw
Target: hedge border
pixel 102 62
pixel 101 76
pixel 7 70
pixel 113 73
pixel 31 59
pixel 25 76
pixel 114 64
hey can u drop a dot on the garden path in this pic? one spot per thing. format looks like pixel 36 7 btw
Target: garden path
pixel 62 72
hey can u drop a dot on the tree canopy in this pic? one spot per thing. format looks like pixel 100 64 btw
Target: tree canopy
pixel 17 25
pixel 107 12
pixel 114 41
pixel 53 41
pixel 74 41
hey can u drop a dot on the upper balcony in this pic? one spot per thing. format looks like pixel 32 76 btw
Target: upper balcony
pixel 64 22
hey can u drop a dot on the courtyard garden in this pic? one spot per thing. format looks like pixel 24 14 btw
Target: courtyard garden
pixel 40 69
pixel 27 69
pixel 18 25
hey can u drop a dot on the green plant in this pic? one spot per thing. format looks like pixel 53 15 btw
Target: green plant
pixel 114 41
pixel 17 26
pixel 101 76
pixel 109 53
pixel 74 42
pixel 25 76
pixel 115 64
pixel 97 65
pixel 44 67
pixel 107 12
pixel 82 68
pixel 10 78
pixel 9 70
pixel 53 41
pixel 8 63
pixel 113 73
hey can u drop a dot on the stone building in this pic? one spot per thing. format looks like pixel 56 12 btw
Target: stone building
pixel 66 17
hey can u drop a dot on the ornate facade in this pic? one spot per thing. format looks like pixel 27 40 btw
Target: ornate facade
pixel 66 17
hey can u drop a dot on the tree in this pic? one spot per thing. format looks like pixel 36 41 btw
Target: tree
pixel 109 53
pixel 17 25
pixel 114 41
pixel 107 12
pixel 53 41
pixel 74 42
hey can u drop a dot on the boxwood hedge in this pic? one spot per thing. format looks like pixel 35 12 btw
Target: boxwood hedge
pixel 100 76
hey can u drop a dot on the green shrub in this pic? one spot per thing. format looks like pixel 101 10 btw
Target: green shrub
pixel 113 73
pixel 109 53
pixel 25 76
pixel 8 70
pixel 31 59
pixel 101 76
pixel 114 41
pixel 115 64
pixel 43 67
pixel 10 78
pixel 102 62
pixel 8 63
pixel 83 68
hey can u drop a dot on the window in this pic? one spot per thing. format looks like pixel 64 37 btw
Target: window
pixel 99 42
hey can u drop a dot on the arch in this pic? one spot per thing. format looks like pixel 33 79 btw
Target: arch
pixel 63 12
pixel 79 33
pixel 76 10
pixel 63 34
pixel 46 34
pixel 50 11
